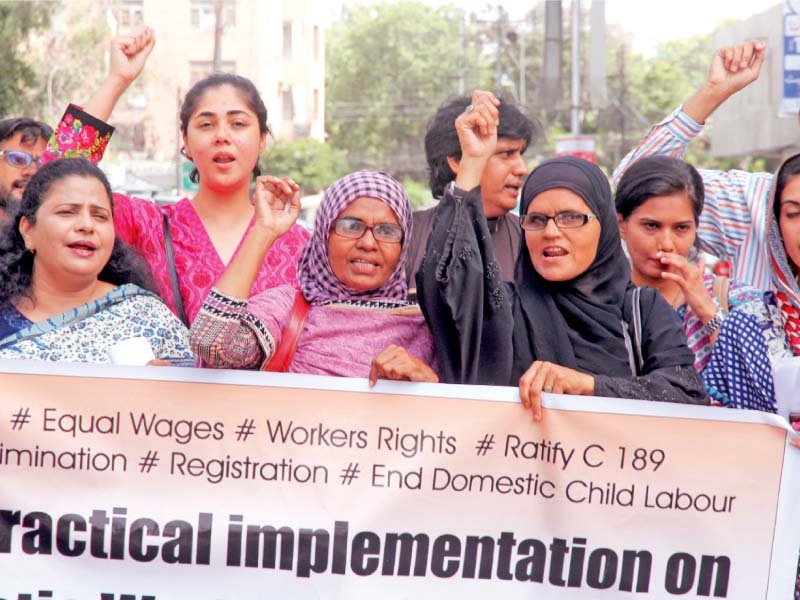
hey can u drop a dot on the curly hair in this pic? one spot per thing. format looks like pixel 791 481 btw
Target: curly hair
pixel 249 94
pixel 441 138
pixel 17 263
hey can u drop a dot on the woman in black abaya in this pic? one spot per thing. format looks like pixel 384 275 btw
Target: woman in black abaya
pixel 572 322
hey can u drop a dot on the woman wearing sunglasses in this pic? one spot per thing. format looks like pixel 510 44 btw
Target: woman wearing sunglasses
pixel 573 322
pixel 352 285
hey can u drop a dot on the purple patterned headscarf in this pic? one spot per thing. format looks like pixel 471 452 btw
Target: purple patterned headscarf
pixel 317 281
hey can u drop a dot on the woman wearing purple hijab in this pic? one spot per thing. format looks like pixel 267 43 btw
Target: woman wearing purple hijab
pixel 352 275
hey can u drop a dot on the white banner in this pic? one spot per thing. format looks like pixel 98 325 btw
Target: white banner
pixel 163 483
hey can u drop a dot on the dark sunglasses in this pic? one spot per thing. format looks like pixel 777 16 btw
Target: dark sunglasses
pixel 567 219
pixel 20 158
pixel 353 228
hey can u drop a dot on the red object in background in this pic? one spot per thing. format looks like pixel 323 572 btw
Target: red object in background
pixel 580 146
pixel 722 268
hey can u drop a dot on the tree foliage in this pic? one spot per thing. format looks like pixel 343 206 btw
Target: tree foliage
pixel 389 66
pixel 70 57
pixel 311 163
pixel 18 79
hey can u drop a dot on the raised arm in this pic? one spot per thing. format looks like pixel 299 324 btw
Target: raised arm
pixel 732 69
pixel 83 132
pixel 224 334
pixel 460 291
pixel 733 199
pixel 277 204
pixel 128 54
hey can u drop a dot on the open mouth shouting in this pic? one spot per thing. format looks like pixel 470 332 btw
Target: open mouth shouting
pixel 513 188
pixel 223 158
pixel 82 248
pixel 364 266
pixel 554 252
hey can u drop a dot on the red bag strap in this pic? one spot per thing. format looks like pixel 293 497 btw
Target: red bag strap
pixel 282 358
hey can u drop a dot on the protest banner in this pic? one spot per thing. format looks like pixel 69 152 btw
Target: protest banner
pixel 165 483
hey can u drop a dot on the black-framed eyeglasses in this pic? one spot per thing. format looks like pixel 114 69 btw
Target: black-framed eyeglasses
pixel 353 228
pixel 20 159
pixel 566 219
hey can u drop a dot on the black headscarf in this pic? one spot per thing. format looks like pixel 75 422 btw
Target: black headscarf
pixel 577 323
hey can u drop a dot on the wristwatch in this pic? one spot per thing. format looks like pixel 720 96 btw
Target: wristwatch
pixel 714 323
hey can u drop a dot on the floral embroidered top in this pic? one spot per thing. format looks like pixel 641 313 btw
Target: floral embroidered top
pixel 197 264
pixel 78 135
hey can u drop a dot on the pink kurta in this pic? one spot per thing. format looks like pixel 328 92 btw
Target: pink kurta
pixel 139 223
pixel 339 339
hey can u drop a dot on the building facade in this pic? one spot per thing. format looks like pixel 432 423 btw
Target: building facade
pixel 278 44
pixel 749 122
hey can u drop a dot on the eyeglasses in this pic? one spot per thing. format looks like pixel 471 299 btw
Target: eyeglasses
pixel 20 159
pixel 567 219
pixel 350 227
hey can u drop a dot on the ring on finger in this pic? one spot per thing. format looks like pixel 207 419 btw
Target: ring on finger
pixel 469 108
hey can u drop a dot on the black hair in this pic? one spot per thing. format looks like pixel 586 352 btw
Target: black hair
pixel 788 170
pixel 251 97
pixel 659 176
pixel 16 262
pixel 30 129
pixel 441 139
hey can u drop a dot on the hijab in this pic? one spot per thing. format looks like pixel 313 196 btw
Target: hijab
pixel 577 323
pixel 784 278
pixel 314 274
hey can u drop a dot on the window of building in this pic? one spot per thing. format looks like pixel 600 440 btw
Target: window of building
pixel 316 105
pixel 316 43
pixel 287 104
pixel 129 13
pixel 201 13
pixel 199 69
pixel 130 137
pixel 287 40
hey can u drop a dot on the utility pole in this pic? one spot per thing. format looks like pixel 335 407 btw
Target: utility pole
pixel 462 63
pixel 523 100
pixel 623 92
pixel 218 26
pixel 576 66
pixel 498 67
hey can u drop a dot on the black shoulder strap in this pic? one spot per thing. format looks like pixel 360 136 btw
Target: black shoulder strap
pixel 634 346
pixel 637 329
pixel 173 274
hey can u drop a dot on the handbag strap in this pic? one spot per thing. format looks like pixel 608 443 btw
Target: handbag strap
pixel 281 359
pixel 720 288
pixel 173 273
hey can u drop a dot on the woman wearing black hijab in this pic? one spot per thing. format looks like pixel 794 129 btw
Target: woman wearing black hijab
pixel 569 322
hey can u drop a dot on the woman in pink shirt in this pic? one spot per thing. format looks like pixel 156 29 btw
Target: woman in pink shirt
pixel 223 121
